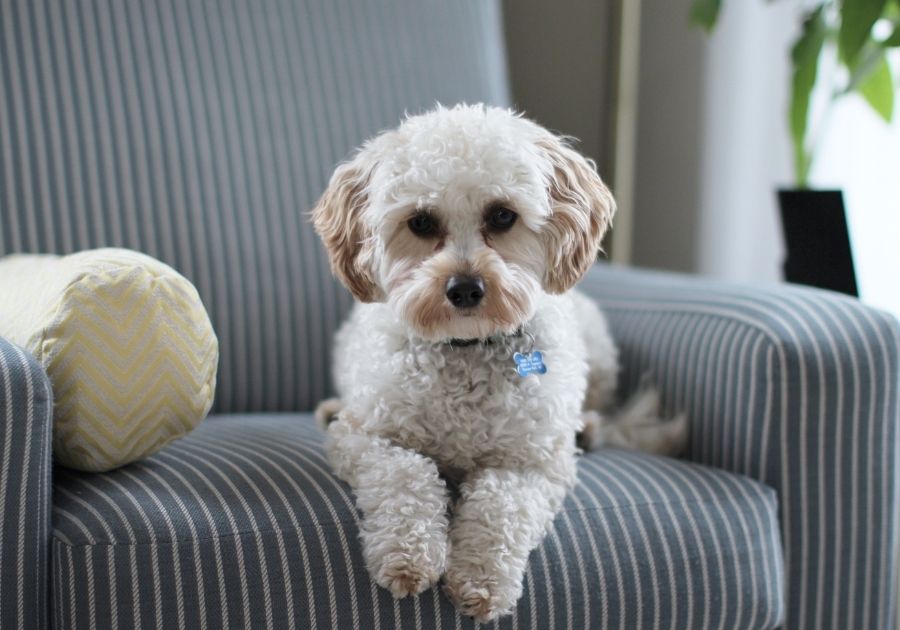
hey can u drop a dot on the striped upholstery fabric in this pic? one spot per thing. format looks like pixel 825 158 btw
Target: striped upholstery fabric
pixel 201 132
pixel 799 389
pixel 26 413
pixel 241 524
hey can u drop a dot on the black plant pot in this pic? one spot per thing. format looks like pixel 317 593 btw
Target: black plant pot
pixel 818 244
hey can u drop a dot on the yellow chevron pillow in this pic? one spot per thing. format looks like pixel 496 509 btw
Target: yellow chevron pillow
pixel 126 342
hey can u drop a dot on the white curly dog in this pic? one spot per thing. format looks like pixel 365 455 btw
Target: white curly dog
pixel 468 357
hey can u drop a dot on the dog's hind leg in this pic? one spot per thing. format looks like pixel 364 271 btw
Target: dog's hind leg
pixel 327 412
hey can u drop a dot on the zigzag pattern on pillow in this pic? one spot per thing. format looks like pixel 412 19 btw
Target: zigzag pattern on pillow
pixel 144 367
pixel 128 348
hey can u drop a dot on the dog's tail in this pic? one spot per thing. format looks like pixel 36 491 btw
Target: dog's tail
pixel 637 425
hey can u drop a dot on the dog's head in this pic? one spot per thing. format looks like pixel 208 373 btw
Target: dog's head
pixel 460 217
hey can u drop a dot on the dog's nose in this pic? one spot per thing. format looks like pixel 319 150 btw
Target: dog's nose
pixel 465 291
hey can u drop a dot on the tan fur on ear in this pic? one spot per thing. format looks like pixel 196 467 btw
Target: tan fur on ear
pixel 337 217
pixel 582 208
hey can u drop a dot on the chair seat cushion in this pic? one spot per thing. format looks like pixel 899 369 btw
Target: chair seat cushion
pixel 242 524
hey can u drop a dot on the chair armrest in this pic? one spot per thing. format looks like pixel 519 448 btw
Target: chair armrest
pixel 797 388
pixel 26 410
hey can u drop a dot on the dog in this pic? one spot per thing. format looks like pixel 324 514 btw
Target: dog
pixel 468 357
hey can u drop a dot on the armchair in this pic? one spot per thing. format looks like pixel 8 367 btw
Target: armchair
pixel 198 133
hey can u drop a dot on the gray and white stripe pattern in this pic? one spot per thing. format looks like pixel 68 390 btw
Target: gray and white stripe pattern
pixel 201 132
pixel 26 408
pixel 796 388
pixel 242 524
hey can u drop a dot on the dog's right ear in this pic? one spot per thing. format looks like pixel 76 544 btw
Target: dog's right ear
pixel 337 217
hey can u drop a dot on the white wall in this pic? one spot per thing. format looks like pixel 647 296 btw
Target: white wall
pixel 746 152
pixel 860 154
pixel 712 139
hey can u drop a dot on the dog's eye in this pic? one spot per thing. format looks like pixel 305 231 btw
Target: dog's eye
pixel 501 218
pixel 422 224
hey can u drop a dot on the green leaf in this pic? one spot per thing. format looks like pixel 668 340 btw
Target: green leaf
pixel 867 61
pixel 857 18
pixel 704 13
pixel 878 90
pixel 805 59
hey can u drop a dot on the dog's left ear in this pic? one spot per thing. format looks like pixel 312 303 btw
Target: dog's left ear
pixel 581 209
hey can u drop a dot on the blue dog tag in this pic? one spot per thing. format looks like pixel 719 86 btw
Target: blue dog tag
pixel 530 363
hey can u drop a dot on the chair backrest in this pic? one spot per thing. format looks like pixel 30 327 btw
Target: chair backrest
pixel 201 132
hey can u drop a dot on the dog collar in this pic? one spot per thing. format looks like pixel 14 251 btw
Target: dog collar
pixel 465 343
pixel 525 363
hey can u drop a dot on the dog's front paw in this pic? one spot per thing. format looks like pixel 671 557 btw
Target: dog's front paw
pixel 407 565
pixel 404 575
pixel 479 595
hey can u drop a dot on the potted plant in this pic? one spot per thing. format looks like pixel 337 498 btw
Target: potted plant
pixel 856 35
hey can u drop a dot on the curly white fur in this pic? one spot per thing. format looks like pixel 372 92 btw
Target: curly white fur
pixel 416 407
